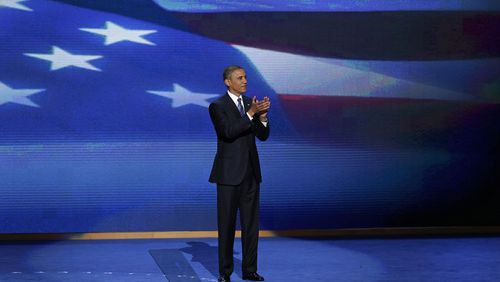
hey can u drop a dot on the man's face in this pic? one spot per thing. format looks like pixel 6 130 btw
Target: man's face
pixel 237 82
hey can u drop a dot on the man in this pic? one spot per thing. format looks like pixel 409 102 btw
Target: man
pixel 237 120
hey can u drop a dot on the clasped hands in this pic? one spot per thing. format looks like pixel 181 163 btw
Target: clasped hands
pixel 260 107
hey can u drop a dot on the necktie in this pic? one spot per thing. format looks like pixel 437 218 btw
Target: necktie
pixel 240 107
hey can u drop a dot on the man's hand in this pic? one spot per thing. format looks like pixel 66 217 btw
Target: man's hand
pixel 254 107
pixel 263 107
pixel 260 107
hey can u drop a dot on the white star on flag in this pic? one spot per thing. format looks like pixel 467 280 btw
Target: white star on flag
pixel 18 96
pixel 115 33
pixel 181 96
pixel 60 59
pixel 14 4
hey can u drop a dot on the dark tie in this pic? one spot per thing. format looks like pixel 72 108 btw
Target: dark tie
pixel 240 107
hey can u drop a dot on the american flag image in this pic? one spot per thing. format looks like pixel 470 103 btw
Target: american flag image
pixel 105 124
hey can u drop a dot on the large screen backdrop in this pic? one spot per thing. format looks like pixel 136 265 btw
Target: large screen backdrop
pixel 384 113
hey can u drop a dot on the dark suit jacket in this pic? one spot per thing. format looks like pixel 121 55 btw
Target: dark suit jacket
pixel 235 141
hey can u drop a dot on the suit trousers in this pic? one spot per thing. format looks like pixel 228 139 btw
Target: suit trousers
pixel 244 197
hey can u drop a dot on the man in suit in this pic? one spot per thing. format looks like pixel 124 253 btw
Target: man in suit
pixel 237 120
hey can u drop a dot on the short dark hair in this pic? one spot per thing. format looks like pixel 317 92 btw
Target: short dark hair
pixel 229 70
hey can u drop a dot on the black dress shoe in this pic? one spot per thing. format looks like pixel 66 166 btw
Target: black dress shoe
pixel 253 276
pixel 224 278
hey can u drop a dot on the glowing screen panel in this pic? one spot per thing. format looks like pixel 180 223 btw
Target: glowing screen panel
pixel 384 113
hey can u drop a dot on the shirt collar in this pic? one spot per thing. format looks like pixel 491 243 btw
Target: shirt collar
pixel 234 97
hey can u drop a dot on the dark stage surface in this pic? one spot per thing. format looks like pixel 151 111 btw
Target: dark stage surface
pixel 281 259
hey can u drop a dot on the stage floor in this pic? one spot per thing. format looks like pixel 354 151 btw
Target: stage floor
pixel 280 259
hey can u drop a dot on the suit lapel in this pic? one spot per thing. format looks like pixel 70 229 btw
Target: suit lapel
pixel 231 106
pixel 247 102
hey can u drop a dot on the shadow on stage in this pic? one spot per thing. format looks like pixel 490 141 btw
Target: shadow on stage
pixel 179 264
